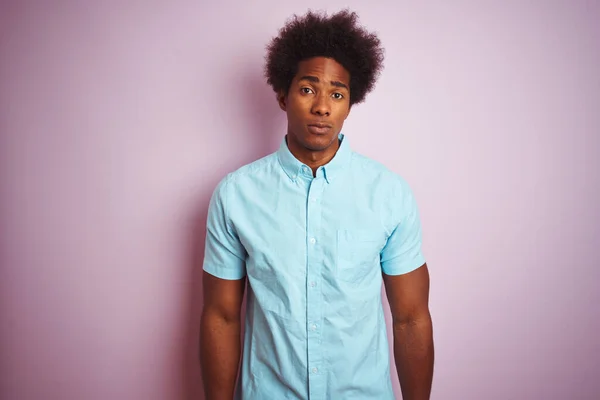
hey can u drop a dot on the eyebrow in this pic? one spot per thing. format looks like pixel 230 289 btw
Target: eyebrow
pixel 314 79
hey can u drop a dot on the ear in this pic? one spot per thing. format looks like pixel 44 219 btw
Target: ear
pixel 282 100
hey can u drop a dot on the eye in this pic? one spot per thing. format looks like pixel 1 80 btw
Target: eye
pixel 306 90
pixel 338 96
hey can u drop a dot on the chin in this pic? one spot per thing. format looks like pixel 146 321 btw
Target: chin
pixel 318 143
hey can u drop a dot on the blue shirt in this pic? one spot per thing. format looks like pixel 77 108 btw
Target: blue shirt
pixel 313 250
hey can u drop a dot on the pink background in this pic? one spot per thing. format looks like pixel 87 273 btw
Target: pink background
pixel 117 121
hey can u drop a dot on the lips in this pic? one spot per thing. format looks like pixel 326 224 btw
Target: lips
pixel 319 128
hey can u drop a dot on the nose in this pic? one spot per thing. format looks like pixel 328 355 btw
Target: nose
pixel 321 106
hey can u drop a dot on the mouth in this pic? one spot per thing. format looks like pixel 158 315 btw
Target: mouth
pixel 319 128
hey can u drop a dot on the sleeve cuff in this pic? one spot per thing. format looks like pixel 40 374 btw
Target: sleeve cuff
pixel 224 272
pixel 398 266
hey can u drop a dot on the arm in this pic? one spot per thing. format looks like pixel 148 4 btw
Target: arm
pixel 220 328
pixel 408 296
pixel 223 289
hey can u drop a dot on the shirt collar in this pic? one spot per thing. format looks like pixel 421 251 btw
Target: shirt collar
pixel 293 167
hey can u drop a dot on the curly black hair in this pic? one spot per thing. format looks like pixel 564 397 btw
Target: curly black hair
pixel 338 37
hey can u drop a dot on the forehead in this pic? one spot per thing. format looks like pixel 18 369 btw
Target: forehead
pixel 327 69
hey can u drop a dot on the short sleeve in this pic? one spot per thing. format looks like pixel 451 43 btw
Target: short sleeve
pixel 224 255
pixel 402 252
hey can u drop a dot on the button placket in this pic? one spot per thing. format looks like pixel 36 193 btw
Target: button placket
pixel 314 300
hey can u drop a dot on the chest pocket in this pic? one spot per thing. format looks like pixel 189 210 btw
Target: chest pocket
pixel 358 253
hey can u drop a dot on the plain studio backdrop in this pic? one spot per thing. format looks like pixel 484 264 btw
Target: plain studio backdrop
pixel 117 121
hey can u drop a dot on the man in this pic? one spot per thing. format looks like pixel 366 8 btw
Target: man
pixel 315 229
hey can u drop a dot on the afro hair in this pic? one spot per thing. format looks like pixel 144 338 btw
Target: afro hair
pixel 338 37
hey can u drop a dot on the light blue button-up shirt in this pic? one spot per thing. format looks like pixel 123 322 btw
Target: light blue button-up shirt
pixel 313 250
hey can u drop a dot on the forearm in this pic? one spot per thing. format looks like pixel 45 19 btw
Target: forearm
pixel 219 355
pixel 414 355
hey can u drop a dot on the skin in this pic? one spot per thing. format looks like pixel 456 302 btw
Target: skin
pixel 318 94
pixel 408 296
pixel 220 329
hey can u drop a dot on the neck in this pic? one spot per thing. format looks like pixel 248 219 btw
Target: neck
pixel 313 158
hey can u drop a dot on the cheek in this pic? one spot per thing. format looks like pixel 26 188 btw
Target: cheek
pixel 297 108
pixel 342 113
pixel 293 118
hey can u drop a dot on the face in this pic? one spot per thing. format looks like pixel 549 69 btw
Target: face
pixel 317 104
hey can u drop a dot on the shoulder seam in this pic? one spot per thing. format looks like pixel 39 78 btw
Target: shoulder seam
pixel 246 169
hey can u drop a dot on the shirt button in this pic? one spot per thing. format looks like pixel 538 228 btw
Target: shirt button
pixel 313 327
pixel 314 370
pixel 313 240
pixel 313 284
